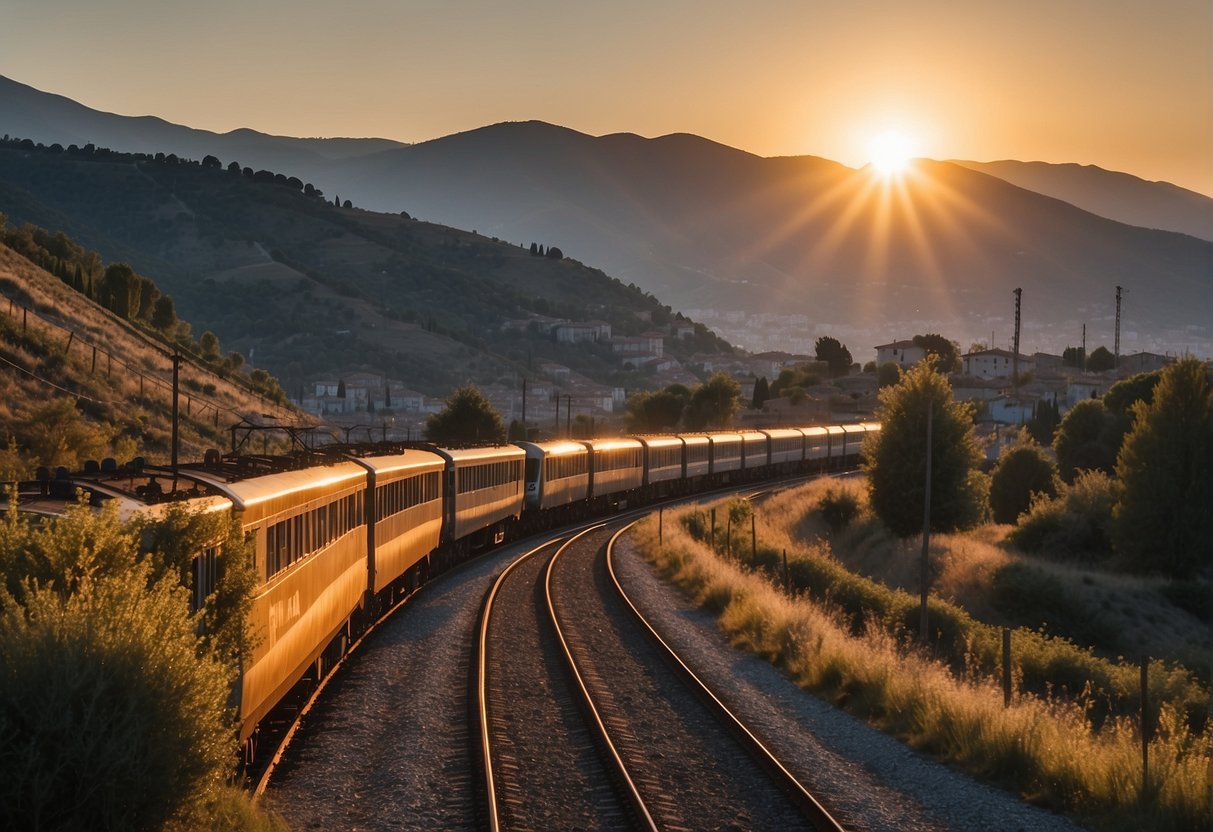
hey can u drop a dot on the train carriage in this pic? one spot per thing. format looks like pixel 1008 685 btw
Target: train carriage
pixel 755 450
pixel 403 513
pixel 726 453
pixel 557 474
pixel 616 466
pixel 816 445
pixel 663 459
pixel 787 447
pixel 697 454
pixel 483 494
pixel 310 540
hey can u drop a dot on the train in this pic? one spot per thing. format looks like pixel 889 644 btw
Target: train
pixel 341 533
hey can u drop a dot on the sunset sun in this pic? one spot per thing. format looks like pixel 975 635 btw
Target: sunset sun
pixel 890 152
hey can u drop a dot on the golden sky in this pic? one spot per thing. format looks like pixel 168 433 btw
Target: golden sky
pixel 1123 84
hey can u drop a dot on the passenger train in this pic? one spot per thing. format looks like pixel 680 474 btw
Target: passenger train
pixel 341 533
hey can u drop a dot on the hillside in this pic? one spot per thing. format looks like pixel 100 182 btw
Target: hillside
pixel 1110 194
pixel 279 272
pixel 81 383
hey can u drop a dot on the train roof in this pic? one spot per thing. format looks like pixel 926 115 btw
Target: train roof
pixel 254 490
pixel 611 443
pixel 472 456
pixel 663 440
pixel 555 447
pixel 407 459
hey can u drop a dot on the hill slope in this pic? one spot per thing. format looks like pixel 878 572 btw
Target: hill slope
pixel 310 288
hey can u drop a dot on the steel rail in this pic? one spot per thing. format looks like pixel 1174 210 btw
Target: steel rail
pixel 814 811
pixel 632 793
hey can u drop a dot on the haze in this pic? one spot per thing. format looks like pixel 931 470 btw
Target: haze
pixel 1120 84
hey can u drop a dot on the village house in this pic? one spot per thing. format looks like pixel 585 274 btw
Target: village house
pixel 901 353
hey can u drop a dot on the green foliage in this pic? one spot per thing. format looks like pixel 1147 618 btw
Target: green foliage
pixel 1026 594
pixel 713 403
pixel 1022 471
pixel 942 354
pixel 762 392
pixel 656 411
pixel 888 374
pixel 1046 416
pixel 1125 393
pixel 895 458
pixel 799 376
pixel 839 506
pixel 1086 440
pixel 1073 357
pixel 164 315
pixel 1163 521
pixel 56 433
pixel 468 418
pixel 834 352
pixel 1100 360
pixel 1074 525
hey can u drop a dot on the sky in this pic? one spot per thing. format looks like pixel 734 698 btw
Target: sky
pixel 1123 84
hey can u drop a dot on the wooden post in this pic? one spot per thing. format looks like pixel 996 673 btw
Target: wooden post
pixel 728 536
pixel 24 316
pixel 753 538
pixel 141 387
pixel 1006 667
pixel 93 369
pixel 1145 726
pixel 68 346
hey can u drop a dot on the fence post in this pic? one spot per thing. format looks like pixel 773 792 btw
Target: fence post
pixel 753 538
pixel 1006 667
pixel 728 536
pixel 1145 726
pixel 141 387
pixel 68 346
pixel 93 369
pixel 109 364
pixel 24 315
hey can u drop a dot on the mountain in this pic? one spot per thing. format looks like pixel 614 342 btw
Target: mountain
pixel 772 250
pixel 1110 194
pixel 29 113
pixel 314 289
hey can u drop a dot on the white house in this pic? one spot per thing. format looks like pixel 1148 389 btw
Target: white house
pixel 574 332
pixel 902 353
pixel 995 363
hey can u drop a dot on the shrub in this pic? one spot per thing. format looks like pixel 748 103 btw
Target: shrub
pixel 1073 525
pixel 839 506
pixel 1022 472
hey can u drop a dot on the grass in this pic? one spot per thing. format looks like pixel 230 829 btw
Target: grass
pixel 1045 746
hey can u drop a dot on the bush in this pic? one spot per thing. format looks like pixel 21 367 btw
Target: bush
pixel 839 506
pixel 1022 472
pixel 110 720
pixel 1075 524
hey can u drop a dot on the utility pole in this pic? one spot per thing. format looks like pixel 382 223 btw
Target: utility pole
pixel 1015 348
pixel 923 572
pixel 176 393
pixel 1116 367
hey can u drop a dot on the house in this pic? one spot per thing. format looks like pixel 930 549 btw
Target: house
pixel 902 353
pixel 1143 362
pixel 995 363
pixel 575 332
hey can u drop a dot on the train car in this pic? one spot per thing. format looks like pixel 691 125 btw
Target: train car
pixel 309 531
pixel 787 448
pixel 852 438
pixel 837 445
pixel 616 467
pixel 403 516
pixel 755 450
pixel 726 454
pixel 483 496
pixel 557 474
pixel 816 446
pixel 664 463
pixel 697 453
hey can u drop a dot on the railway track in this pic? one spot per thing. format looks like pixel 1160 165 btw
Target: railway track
pixel 615 739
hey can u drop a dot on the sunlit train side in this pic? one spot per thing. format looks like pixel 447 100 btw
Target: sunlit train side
pixel 483 496
pixel 616 469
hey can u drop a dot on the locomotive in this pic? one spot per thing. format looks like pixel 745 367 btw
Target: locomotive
pixel 341 533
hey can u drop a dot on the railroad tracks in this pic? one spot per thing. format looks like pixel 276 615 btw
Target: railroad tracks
pixel 589 719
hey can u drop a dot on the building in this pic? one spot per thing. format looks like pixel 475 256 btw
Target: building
pixel 575 332
pixel 902 353
pixel 995 363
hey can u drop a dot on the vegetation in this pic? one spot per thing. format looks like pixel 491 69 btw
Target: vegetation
pixel 113 696
pixel 1022 471
pixel 1162 521
pixel 713 403
pixel 1073 525
pixel 942 354
pixel 468 418
pixel 1069 739
pixel 895 459
pixel 1085 440
pixel 1100 360
pixel 834 352
pixel 658 410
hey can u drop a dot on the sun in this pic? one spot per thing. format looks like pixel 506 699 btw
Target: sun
pixel 890 152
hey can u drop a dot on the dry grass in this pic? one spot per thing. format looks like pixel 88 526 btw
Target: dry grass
pixel 1042 749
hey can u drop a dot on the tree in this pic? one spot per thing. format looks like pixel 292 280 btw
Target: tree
pixel 467 418
pixel 1084 442
pixel 1045 418
pixel 1022 471
pixel 713 403
pixel 895 457
pixel 942 354
pixel 209 161
pixel 762 392
pixel 888 374
pixel 209 345
pixel 834 352
pixel 119 290
pixel 554 254
pixel 1162 521
pixel 655 411
pixel 164 314
pixel 1101 359
pixel 1074 357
